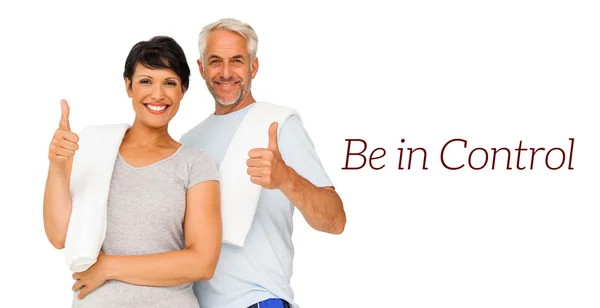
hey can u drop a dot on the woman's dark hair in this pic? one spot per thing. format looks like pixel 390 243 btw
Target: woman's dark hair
pixel 160 52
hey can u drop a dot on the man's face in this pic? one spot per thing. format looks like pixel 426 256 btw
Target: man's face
pixel 227 67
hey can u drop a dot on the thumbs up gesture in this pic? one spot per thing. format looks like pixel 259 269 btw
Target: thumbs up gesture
pixel 64 143
pixel 265 166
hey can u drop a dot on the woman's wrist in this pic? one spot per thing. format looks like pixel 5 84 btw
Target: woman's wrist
pixel 111 267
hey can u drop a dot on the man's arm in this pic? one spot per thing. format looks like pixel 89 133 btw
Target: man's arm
pixel 321 207
pixel 290 164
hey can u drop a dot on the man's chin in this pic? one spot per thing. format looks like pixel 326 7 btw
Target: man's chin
pixel 227 103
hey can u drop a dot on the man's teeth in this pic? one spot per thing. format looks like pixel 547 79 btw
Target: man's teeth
pixel 157 108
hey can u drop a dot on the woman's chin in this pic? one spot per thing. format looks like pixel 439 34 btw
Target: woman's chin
pixel 154 124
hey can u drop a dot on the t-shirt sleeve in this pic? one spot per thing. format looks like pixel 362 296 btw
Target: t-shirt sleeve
pixel 298 152
pixel 203 168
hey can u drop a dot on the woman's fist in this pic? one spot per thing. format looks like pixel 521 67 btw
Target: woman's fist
pixel 64 143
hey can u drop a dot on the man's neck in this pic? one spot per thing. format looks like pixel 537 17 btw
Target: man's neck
pixel 247 101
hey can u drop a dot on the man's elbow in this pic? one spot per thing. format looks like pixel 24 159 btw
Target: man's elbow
pixel 339 227
pixel 334 226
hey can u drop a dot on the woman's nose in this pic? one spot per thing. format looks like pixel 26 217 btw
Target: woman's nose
pixel 157 92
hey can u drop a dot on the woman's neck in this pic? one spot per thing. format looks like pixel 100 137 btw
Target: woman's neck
pixel 142 136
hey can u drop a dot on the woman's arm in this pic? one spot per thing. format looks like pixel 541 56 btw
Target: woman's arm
pixel 203 236
pixel 197 261
pixel 57 203
pixel 57 196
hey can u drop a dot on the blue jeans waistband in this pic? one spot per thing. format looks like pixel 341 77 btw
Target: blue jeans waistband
pixel 271 303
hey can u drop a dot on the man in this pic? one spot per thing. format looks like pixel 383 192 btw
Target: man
pixel 289 170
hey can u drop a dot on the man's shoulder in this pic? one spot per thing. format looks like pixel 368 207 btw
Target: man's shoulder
pixel 197 127
pixel 286 116
pixel 273 107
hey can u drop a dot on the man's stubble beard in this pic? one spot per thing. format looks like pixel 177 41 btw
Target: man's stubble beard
pixel 240 97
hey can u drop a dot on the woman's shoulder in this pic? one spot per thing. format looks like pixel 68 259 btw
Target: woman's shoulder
pixel 192 151
pixel 199 165
pixel 194 155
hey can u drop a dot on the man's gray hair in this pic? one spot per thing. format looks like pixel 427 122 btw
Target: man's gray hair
pixel 233 25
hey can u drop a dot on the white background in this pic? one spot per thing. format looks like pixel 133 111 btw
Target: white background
pixel 490 72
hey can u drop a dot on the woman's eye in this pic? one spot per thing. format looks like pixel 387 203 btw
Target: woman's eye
pixel 171 83
pixel 144 81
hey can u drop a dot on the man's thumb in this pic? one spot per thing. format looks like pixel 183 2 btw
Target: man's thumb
pixel 273 136
pixel 64 118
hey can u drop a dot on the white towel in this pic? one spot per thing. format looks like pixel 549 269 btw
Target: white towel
pixel 91 175
pixel 239 196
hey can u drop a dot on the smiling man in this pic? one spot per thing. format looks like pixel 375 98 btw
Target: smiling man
pixel 288 170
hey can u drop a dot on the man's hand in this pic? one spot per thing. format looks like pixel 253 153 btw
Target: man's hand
pixel 92 278
pixel 64 143
pixel 265 166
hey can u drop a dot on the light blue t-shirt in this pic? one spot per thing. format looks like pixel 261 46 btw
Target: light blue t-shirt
pixel 262 269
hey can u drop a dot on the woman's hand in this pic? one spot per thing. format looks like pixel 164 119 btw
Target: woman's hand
pixel 92 278
pixel 65 142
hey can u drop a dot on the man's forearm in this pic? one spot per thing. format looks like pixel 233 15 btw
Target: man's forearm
pixel 163 269
pixel 322 208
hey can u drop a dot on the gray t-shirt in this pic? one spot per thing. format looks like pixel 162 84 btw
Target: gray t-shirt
pixel 146 208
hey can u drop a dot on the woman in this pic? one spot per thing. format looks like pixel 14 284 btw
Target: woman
pixel 164 216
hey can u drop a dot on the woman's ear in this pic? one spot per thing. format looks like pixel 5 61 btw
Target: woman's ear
pixel 128 87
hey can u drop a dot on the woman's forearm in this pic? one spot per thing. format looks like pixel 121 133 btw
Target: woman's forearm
pixel 57 204
pixel 163 269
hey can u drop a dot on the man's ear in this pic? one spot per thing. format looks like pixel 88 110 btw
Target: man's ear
pixel 254 66
pixel 128 87
pixel 201 67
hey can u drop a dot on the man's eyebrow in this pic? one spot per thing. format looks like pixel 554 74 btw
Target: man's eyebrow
pixel 238 56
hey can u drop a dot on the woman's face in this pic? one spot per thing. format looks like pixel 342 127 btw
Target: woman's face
pixel 155 94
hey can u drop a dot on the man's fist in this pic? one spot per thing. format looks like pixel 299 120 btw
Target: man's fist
pixel 265 166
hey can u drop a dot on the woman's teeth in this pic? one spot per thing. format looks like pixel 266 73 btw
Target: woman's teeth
pixel 157 108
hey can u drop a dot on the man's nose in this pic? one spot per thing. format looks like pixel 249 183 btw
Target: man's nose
pixel 226 71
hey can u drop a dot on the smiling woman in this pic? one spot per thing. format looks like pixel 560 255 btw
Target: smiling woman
pixel 161 75
pixel 164 226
